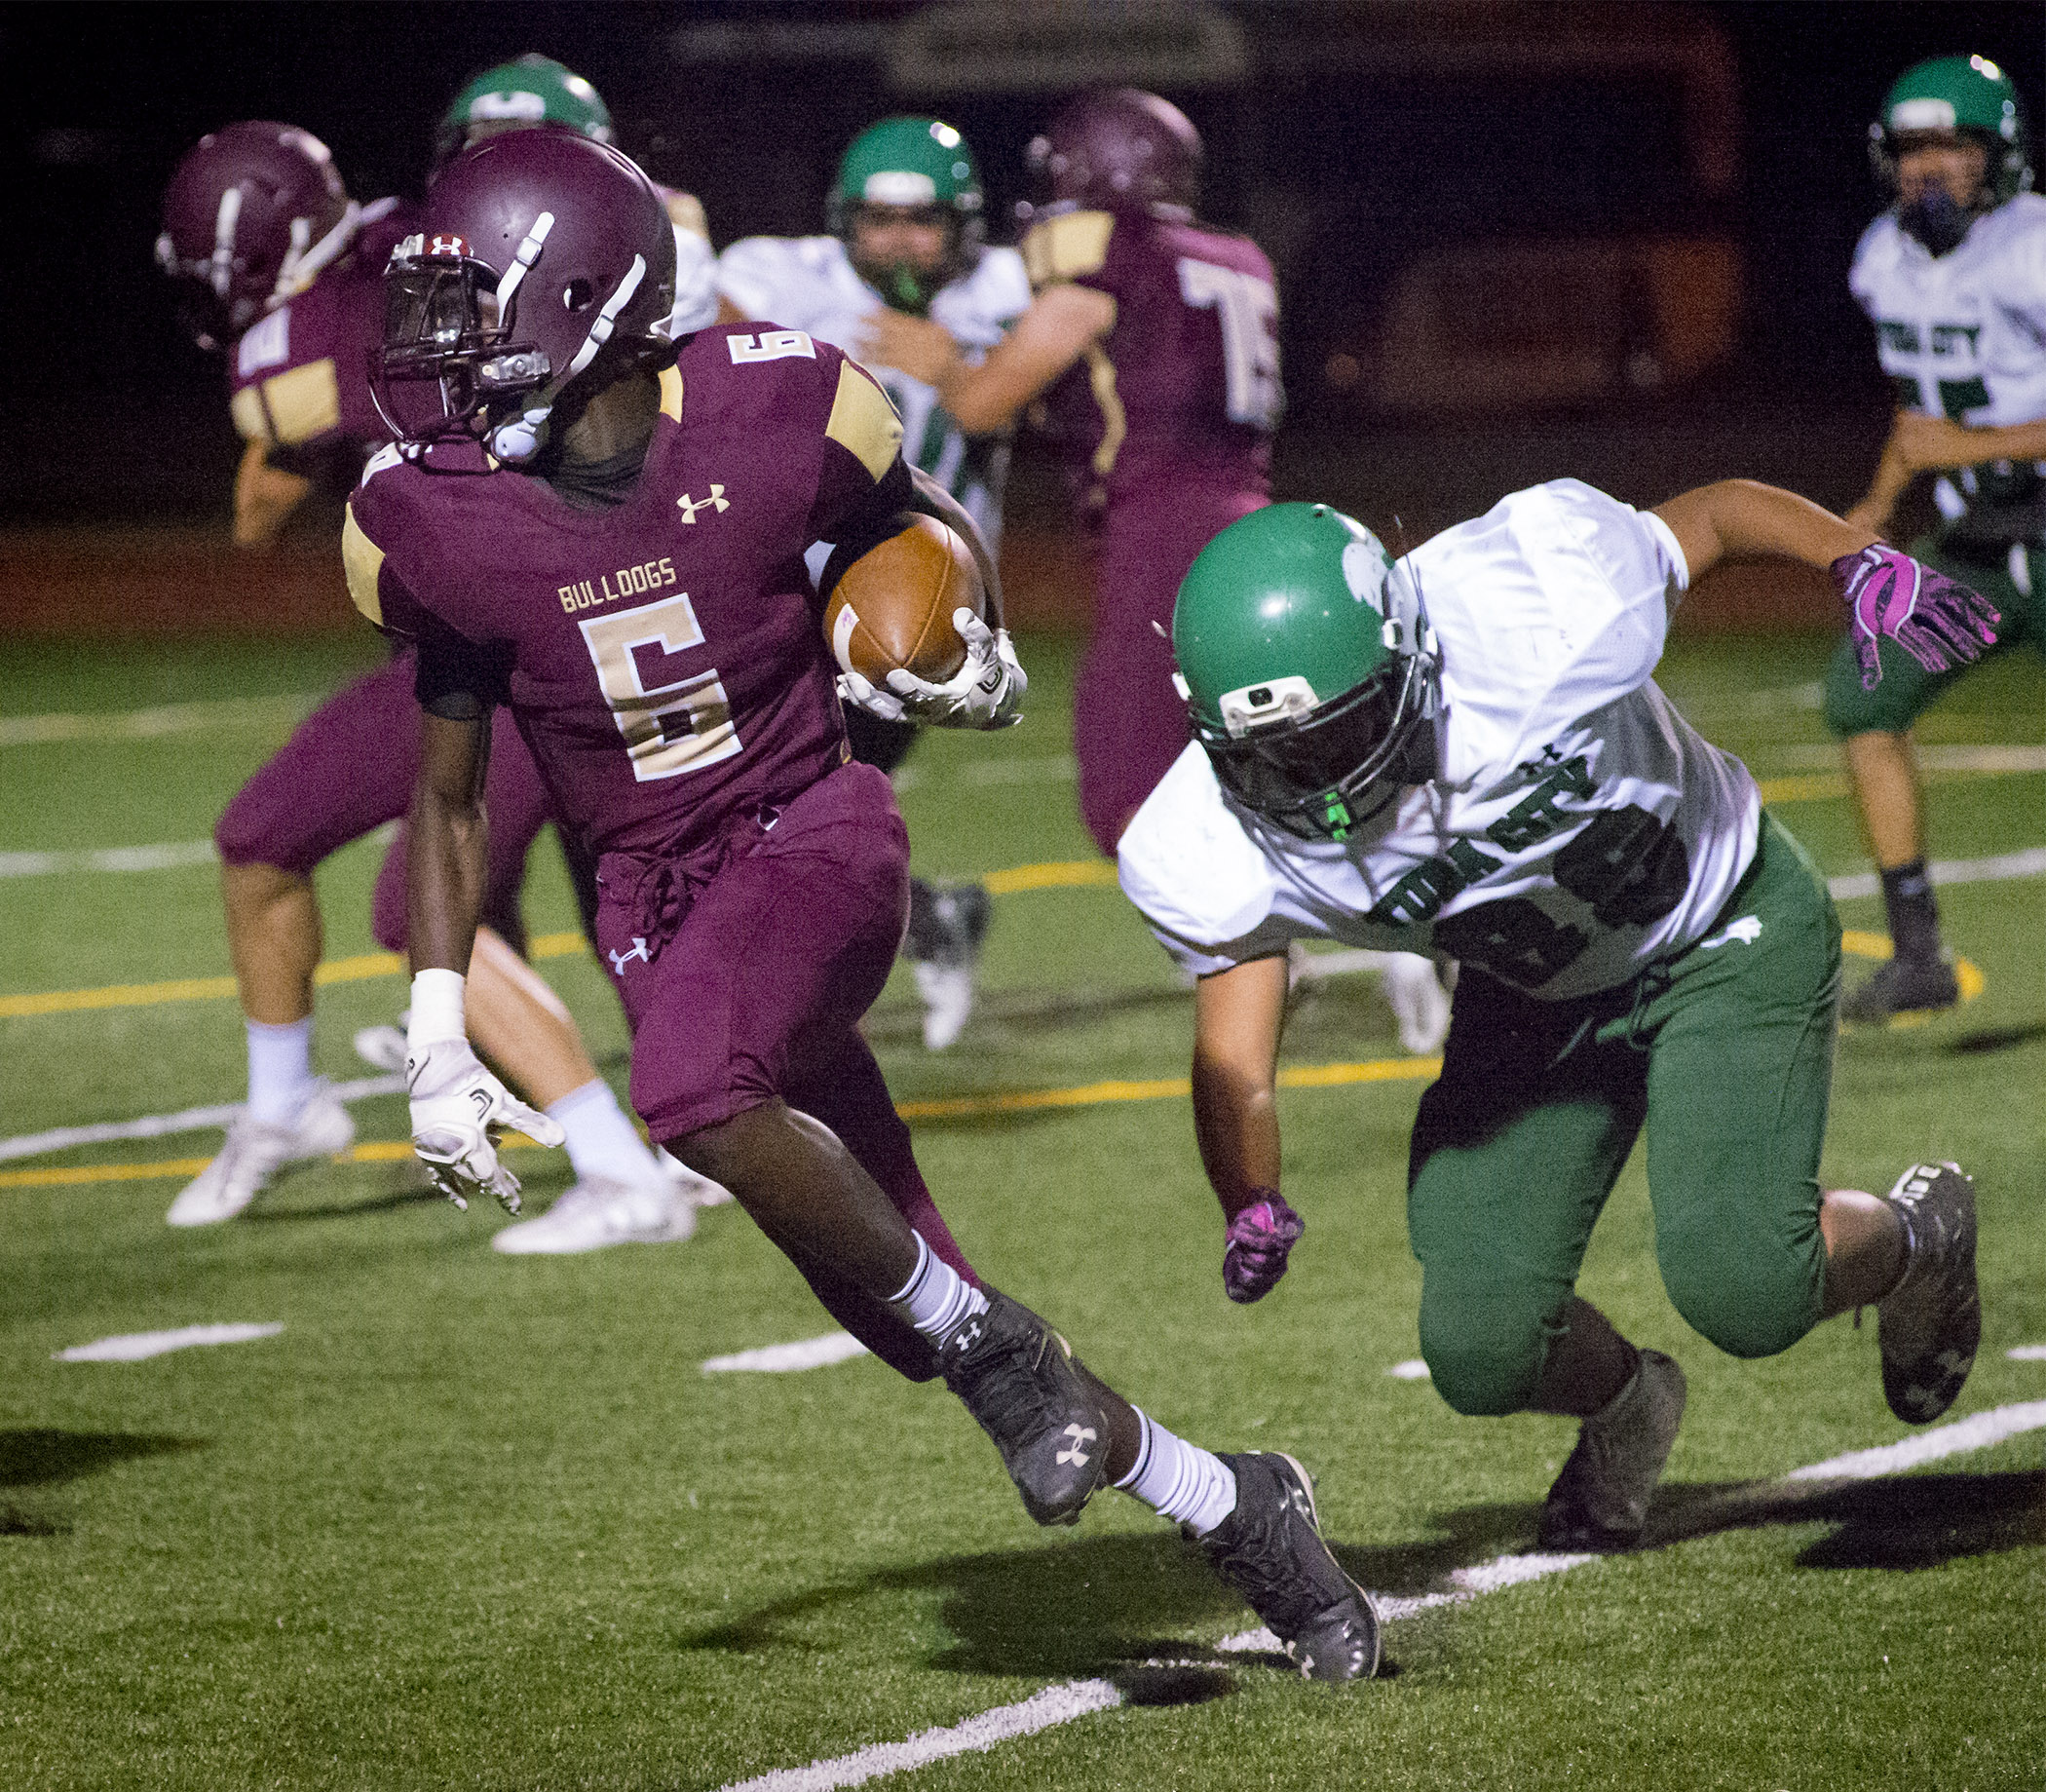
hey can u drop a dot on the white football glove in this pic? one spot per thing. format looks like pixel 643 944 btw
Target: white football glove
pixel 457 1108
pixel 986 692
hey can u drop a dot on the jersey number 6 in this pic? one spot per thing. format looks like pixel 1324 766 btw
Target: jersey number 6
pixel 673 722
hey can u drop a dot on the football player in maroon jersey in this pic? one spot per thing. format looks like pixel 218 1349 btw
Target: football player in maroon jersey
pixel 603 531
pixel 1151 341
pixel 281 270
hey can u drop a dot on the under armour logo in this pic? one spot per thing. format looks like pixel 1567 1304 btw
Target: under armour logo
pixel 457 247
pixel 1082 1436
pixel 620 959
pixel 688 507
pixel 1747 930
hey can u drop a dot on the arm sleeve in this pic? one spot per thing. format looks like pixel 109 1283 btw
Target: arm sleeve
pixel 861 476
pixel 1619 618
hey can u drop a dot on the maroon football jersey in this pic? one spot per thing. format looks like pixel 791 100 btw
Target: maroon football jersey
pixel 665 659
pixel 1184 390
pixel 299 377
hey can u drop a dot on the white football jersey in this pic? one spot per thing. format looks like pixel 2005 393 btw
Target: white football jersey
pixel 1578 828
pixel 810 284
pixel 1963 334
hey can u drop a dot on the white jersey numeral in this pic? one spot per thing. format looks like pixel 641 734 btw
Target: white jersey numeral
pixel 770 345
pixel 671 727
pixel 1248 311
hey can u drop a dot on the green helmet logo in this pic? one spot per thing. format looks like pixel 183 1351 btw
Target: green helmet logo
pixel 531 90
pixel 1967 93
pixel 917 164
pixel 1309 669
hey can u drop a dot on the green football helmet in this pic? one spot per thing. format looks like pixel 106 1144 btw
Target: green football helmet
pixel 911 162
pixel 1309 669
pixel 530 90
pixel 1956 92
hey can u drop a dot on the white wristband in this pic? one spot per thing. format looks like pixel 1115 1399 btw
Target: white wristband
pixel 437 1009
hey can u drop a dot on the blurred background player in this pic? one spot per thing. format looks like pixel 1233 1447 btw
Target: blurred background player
pixel 280 270
pixel 908 233
pixel 1153 344
pixel 1953 275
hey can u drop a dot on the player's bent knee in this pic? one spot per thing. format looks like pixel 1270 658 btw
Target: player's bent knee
pixel 1755 1303
pixel 1485 1358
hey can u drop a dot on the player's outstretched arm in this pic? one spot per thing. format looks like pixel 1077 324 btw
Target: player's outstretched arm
pixel 458 1107
pixel 1888 594
pixel 1238 1015
pixel 265 497
pixel 1059 326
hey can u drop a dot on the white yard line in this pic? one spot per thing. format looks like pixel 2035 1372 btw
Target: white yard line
pixel 176 854
pixel 153 724
pixel 786 1358
pixel 1998 869
pixel 139 1346
pixel 1411 1370
pixel 158 1126
pixel 1075 1698
pixel 2027 1353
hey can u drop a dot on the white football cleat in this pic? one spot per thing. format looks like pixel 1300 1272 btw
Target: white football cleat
pixel 948 1000
pixel 255 1151
pixel 1418 1002
pixel 596 1214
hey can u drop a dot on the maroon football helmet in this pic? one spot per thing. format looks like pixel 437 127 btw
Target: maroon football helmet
pixel 538 248
pixel 1121 149
pixel 254 213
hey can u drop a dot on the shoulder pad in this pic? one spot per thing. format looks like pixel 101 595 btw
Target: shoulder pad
pixel 1067 245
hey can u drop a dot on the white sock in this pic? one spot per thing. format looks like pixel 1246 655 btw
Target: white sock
pixel 1178 1479
pixel 279 1069
pixel 936 1299
pixel 601 1141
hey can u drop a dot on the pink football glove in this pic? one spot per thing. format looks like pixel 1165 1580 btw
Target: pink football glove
pixel 1260 1238
pixel 1889 595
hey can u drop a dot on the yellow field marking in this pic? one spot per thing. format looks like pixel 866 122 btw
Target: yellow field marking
pixel 1066 874
pixel 1084 1095
pixel 1058 874
pixel 1808 788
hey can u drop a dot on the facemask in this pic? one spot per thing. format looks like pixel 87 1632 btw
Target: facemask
pixel 1936 220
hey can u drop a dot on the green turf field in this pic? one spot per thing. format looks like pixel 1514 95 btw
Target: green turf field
pixel 480 1521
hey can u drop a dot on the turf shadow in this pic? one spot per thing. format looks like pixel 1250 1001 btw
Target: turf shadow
pixel 1113 1606
pixel 1901 1522
pixel 1996 1038
pixel 49 1458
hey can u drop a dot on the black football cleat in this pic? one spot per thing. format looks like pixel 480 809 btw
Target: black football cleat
pixel 1599 1501
pixel 1930 1323
pixel 1902 986
pixel 1270 1551
pixel 1017 1378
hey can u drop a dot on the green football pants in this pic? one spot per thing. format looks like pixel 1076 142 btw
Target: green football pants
pixel 1724 1053
pixel 1906 689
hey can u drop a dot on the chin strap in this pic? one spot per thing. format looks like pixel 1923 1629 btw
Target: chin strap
pixel 306 258
pixel 522 436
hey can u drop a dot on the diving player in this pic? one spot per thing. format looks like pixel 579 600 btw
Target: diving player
pixel 1467 752
pixel 908 233
pixel 665 658
pixel 281 270
pixel 1152 342
pixel 1953 275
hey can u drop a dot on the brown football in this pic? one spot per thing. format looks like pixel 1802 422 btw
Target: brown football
pixel 891 606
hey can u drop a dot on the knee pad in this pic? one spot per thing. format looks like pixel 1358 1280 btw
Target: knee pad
pixel 1485 1353
pixel 1756 1300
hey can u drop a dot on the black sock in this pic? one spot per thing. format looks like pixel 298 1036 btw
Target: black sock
pixel 1914 917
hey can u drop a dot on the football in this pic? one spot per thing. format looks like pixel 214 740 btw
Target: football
pixel 888 604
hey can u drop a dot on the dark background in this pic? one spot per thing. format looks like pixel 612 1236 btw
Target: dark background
pixel 1343 163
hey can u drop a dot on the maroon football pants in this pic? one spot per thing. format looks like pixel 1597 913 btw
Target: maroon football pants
pixel 744 968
